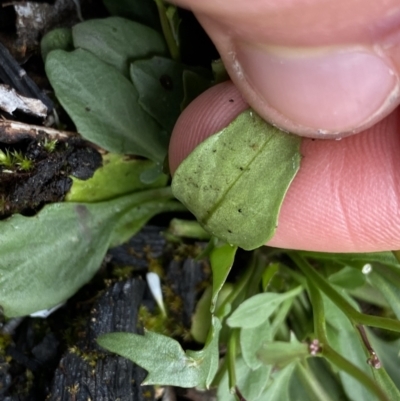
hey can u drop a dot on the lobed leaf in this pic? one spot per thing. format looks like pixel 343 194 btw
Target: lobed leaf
pixel 165 360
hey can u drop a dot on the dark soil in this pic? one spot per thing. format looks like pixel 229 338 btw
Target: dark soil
pixel 49 178
pixel 58 358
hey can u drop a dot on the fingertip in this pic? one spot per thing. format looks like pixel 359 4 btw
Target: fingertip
pixel 346 196
pixel 206 115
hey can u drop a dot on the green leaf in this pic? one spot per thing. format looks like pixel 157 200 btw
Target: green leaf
pixel 47 258
pixel 60 38
pixel 312 381
pixel 355 259
pixel 388 289
pixel 251 340
pixel 384 380
pixel 221 259
pixel 104 105
pixel 118 41
pixel 235 181
pixel 152 174
pixel 281 353
pixel 257 309
pixel 278 390
pixel 388 353
pixel 159 83
pixel 348 277
pixel 208 357
pixel 345 340
pixel 201 320
pixel 119 175
pixel 165 360
pixel 250 382
pixel 144 11
pixel 170 21
pixel 280 316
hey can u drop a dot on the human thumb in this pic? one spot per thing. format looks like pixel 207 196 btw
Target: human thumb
pixel 319 68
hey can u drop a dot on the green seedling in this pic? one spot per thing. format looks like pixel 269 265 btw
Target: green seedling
pixel 49 145
pixel 15 160
pixel 6 159
pixel 21 161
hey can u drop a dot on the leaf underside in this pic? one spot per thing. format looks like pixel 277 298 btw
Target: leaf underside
pixel 235 181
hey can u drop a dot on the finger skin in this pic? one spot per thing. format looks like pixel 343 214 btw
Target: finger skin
pixel 290 58
pixel 346 196
pixel 303 22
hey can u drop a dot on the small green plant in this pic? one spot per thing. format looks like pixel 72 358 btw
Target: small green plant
pixel 22 162
pixel 6 159
pixel 49 145
pixel 15 160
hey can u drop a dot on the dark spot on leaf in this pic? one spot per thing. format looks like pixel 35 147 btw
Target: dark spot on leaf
pixel 87 108
pixel 214 150
pixel 81 211
pixel 166 82
pixel 231 100
pixel 240 210
pixel 229 231
pixel 241 168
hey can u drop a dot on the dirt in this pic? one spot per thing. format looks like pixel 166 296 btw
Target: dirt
pixel 49 179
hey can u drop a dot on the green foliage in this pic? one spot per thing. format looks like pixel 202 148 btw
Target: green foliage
pixel 256 310
pixel 164 358
pixel 14 160
pixel 160 86
pixel 289 321
pixel 223 181
pixel 49 145
pixel 60 38
pixel 119 175
pixel 118 41
pixel 261 362
pixel 64 245
pixel 23 163
pixel 221 259
pixel 107 114
pixel 6 159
